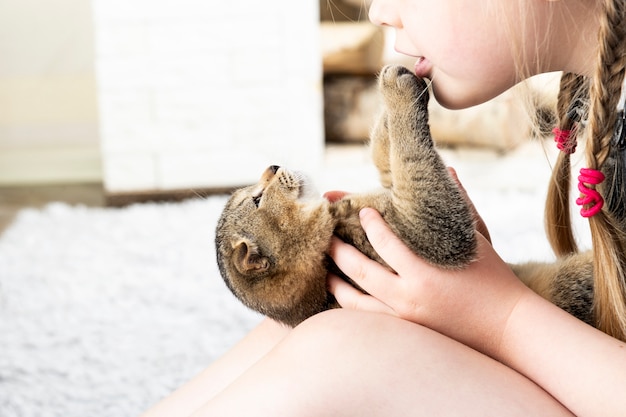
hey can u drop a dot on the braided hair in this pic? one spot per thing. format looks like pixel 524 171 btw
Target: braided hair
pixel 605 153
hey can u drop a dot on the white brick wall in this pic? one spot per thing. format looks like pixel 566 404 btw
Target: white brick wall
pixel 206 93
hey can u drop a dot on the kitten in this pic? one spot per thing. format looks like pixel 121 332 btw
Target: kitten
pixel 273 237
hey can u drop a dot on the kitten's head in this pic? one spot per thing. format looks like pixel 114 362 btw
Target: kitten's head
pixel 271 241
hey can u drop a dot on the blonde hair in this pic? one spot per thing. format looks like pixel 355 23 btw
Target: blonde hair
pixel 601 93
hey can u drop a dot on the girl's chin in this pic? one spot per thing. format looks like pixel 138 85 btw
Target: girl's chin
pixel 449 92
pixel 454 101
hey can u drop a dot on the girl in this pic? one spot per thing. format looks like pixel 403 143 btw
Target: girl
pixel 475 342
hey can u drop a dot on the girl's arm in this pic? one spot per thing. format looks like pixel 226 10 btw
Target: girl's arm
pixel 486 307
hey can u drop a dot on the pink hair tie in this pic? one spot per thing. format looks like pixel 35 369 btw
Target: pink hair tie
pixel 589 196
pixel 564 140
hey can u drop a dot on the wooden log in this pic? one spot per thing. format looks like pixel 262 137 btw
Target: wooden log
pixel 351 48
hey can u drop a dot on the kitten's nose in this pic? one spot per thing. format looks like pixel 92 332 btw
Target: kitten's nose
pixel 269 173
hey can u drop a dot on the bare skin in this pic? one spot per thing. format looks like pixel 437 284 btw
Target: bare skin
pixel 423 375
pixel 221 373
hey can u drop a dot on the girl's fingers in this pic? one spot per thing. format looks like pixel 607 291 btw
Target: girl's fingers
pixel 349 297
pixel 368 274
pixel 387 244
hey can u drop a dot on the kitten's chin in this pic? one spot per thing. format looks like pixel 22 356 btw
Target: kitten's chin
pixel 307 192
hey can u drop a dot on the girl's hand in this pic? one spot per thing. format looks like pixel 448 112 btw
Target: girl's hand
pixel 470 305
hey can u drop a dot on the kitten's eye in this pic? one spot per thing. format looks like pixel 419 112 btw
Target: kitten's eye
pixel 257 199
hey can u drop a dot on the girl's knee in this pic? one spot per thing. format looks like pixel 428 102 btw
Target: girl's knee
pixel 341 330
pixel 336 325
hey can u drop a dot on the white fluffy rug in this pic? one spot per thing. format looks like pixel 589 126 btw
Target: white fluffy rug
pixel 104 311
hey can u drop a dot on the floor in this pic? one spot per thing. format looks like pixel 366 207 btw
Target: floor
pixel 13 199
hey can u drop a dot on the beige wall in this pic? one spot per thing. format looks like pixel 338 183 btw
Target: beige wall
pixel 48 114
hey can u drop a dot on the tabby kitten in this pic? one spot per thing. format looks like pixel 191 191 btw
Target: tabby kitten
pixel 273 237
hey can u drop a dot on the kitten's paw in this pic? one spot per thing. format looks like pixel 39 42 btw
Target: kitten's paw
pixel 400 87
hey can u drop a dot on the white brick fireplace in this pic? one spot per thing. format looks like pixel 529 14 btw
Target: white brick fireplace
pixel 206 93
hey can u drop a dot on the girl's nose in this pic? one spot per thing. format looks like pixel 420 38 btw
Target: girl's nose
pixel 382 13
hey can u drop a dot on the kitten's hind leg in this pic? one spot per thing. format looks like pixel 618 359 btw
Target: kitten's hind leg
pixel 432 215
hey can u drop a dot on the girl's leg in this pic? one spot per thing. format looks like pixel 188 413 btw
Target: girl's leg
pixel 222 372
pixel 347 363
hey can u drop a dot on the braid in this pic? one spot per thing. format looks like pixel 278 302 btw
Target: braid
pixel 607 227
pixel 557 211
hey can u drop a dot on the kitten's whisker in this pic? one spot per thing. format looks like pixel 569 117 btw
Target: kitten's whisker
pixel 429 83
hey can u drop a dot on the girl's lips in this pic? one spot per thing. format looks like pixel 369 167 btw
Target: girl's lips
pixel 422 67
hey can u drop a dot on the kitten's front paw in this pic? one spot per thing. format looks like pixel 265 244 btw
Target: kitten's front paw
pixel 400 87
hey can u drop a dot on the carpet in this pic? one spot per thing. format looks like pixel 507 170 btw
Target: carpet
pixel 105 311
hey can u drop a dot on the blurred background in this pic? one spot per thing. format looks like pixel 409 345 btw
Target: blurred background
pixel 143 97
pixel 113 101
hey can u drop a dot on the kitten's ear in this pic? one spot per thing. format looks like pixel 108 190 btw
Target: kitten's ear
pixel 248 259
